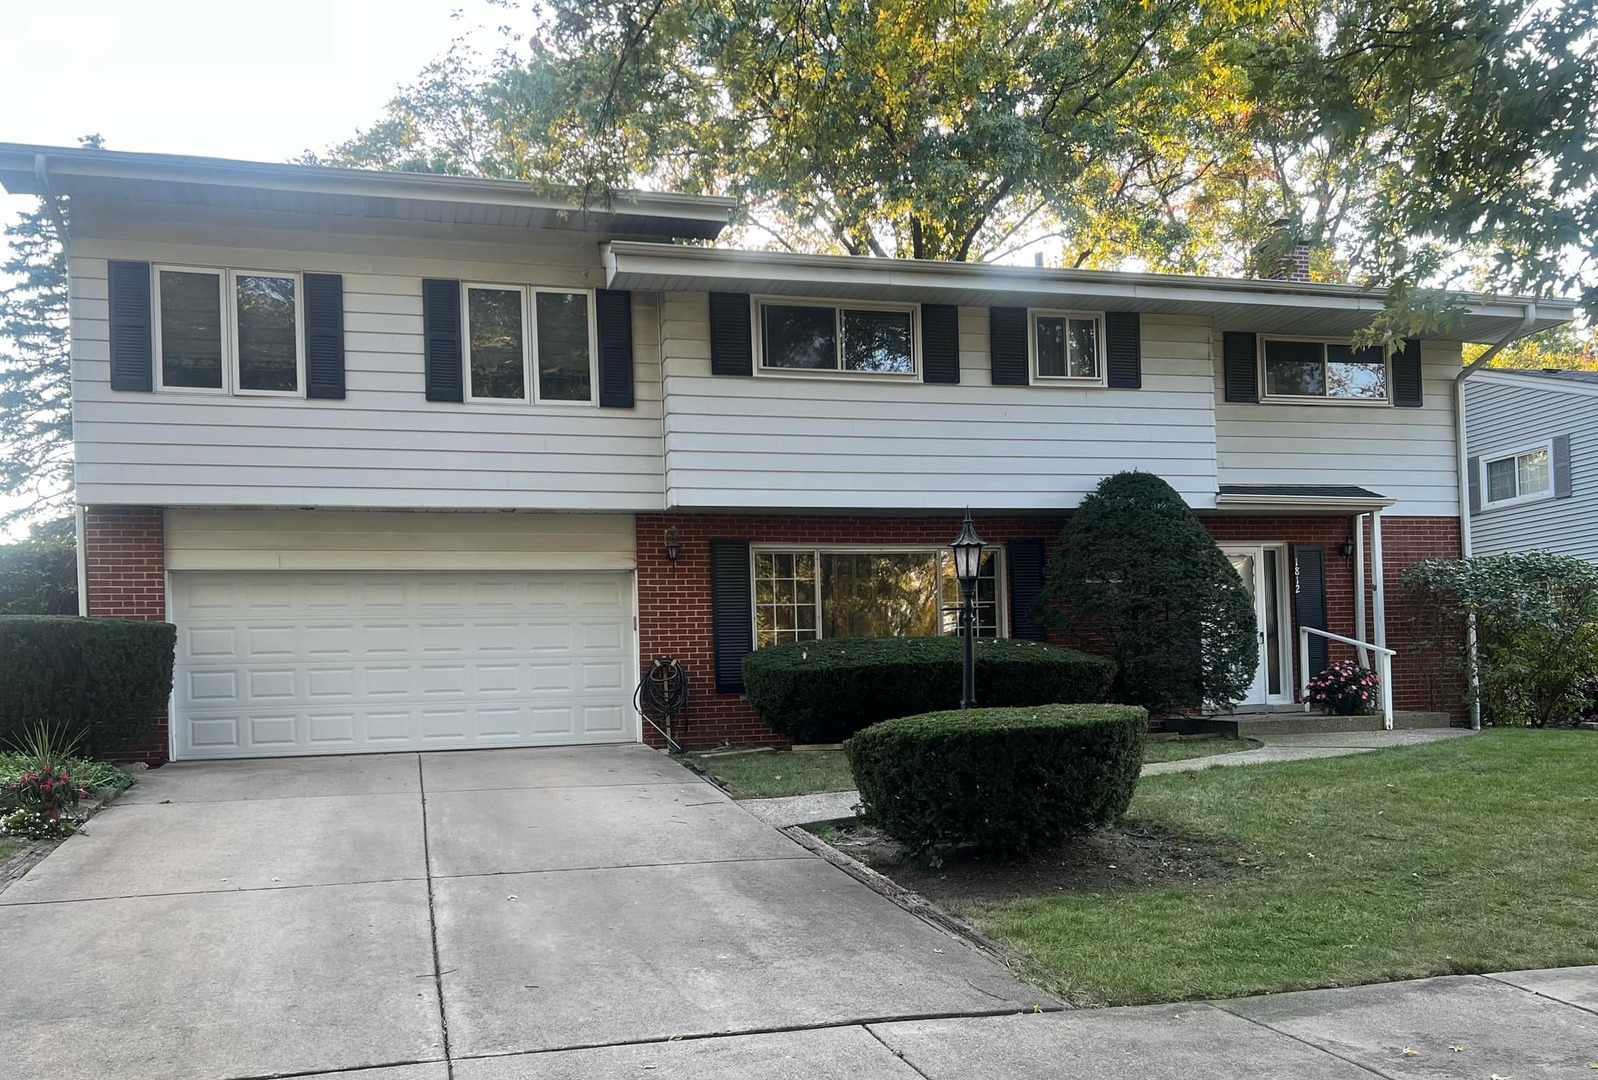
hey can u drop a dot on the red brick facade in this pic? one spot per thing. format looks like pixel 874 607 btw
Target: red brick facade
pixel 674 606
pixel 125 561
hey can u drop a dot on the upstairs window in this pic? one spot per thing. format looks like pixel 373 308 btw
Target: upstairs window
pixel 529 344
pixel 868 340
pixel 1295 368
pixel 811 593
pixel 1521 477
pixel 229 331
pixel 1067 346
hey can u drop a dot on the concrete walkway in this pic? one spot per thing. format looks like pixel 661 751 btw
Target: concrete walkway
pixel 420 917
pixel 830 806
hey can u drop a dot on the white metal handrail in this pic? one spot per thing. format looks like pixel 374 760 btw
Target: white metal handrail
pixel 1384 667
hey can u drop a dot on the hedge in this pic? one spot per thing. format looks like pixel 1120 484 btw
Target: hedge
pixel 103 681
pixel 825 691
pixel 1010 781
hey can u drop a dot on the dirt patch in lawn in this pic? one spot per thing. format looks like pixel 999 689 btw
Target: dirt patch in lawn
pixel 1133 855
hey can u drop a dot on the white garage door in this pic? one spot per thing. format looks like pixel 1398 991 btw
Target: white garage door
pixel 281 663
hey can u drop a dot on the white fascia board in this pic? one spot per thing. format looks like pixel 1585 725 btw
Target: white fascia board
pixel 1301 503
pixel 66 163
pixel 643 265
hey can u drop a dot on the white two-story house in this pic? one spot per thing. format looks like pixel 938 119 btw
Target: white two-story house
pixel 433 462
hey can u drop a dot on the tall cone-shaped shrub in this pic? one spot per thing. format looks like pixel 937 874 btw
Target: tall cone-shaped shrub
pixel 1137 579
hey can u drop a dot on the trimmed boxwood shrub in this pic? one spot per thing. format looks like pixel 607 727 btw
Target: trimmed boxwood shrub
pixel 1010 781
pixel 825 691
pixel 104 681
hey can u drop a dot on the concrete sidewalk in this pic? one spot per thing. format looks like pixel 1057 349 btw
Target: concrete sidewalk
pixel 830 806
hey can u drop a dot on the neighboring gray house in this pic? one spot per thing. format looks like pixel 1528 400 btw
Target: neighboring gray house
pixel 1532 438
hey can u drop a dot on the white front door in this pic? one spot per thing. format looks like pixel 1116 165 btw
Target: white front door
pixel 284 663
pixel 1263 568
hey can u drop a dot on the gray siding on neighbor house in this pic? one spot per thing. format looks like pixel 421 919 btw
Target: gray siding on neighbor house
pixel 1506 414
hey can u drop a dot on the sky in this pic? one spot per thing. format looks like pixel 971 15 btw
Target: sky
pixel 216 78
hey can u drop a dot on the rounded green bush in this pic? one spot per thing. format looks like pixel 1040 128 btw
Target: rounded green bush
pixel 825 691
pixel 1010 781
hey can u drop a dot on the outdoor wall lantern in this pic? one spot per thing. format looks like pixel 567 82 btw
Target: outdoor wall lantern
pixel 967 548
pixel 1346 548
pixel 673 545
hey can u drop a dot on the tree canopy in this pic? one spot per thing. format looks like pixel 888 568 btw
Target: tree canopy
pixel 1420 142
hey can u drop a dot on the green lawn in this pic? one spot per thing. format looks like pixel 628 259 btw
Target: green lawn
pixel 771 774
pixel 1471 855
pixel 9 847
pixel 1182 749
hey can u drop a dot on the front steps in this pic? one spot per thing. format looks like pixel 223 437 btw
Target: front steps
pixel 1263 725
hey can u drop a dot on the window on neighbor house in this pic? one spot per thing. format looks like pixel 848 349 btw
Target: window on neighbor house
pixel 802 594
pixel 1518 477
pixel 874 340
pixel 231 331
pixel 505 325
pixel 1066 346
pixel 1319 369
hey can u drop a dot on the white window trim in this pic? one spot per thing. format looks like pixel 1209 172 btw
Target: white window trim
pixel 226 330
pixel 1488 503
pixel 1099 360
pixel 758 337
pixel 532 391
pixel 1001 607
pixel 1316 399
pixel 227 284
pixel 299 333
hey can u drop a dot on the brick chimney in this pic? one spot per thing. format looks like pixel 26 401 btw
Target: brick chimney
pixel 1285 256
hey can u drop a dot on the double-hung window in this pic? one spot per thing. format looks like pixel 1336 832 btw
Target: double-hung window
pixel 229 331
pixel 802 594
pixel 1520 477
pixel 529 344
pixel 1321 370
pixel 1067 346
pixel 862 339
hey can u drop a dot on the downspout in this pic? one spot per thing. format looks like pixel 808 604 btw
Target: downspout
pixel 1527 320
pixel 1361 623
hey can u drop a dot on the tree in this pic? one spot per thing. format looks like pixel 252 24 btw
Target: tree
pixel 35 374
pixel 1136 574
pixel 39 575
pixel 1562 348
pixel 1421 142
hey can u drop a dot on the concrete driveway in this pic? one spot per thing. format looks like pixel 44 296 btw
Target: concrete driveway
pixel 481 914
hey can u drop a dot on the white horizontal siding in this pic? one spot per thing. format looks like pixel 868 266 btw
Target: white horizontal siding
pixel 384 445
pixel 1503 419
pixel 345 540
pixel 793 442
pixel 1407 454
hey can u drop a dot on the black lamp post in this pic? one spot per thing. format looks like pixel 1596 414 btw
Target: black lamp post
pixel 967 548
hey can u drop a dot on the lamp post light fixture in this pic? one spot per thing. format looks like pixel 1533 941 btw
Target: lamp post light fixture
pixel 967 548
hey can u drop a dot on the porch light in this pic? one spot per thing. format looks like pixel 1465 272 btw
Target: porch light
pixel 967 548
pixel 673 545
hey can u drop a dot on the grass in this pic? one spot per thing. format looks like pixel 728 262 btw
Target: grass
pixel 1466 856
pixel 1181 749
pixel 772 774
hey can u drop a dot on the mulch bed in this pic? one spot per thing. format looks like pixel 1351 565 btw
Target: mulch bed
pixel 1133 855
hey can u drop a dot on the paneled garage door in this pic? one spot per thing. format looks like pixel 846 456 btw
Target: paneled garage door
pixel 282 663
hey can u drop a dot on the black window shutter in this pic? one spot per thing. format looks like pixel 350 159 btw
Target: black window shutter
pixel 1473 469
pixel 441 337
pixel 613 311
pixel 1026 588
pixel 324 335
pixel 1407 377
pixel 1562 484
pixel 1309 605
pixel 132 342
pixel 940 343
pixel 1007 350
pixel 1123 331
pixel 731 612
pixel 731 343
pixel 1240 367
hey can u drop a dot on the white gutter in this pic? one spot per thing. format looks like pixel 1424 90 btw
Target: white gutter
pixel 1527 321
pixel 1302 502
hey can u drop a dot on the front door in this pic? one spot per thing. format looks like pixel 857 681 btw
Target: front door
pixel 1263 570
